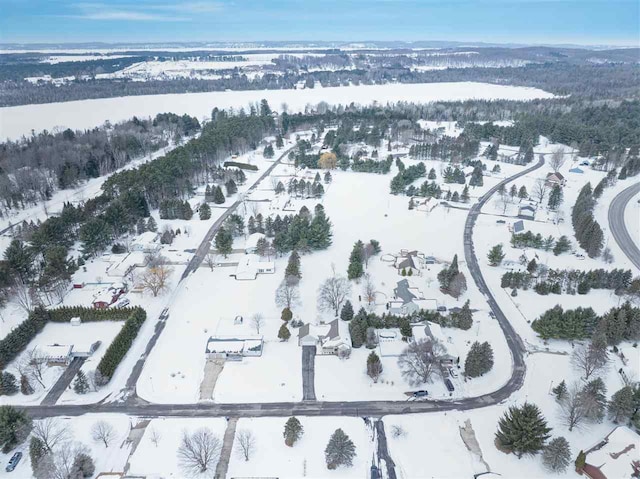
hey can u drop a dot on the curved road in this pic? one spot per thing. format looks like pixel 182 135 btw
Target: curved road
pixel 139 407
pixel 618 227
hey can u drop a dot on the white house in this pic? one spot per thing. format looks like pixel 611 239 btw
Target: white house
pixel 250 266
pixel 409 261
pixel 434 331
pixel 527 212
pixel 325 337
pixel 56 353
pixel 233 349
pixel 146 242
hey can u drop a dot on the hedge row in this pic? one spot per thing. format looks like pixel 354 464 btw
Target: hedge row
pixel 65 313
pixel 17 340
pixel 121 344
pixel 242 166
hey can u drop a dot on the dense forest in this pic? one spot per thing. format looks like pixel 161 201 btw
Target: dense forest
pixel 33 168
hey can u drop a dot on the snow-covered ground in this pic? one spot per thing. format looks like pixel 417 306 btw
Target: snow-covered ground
pixel 20 120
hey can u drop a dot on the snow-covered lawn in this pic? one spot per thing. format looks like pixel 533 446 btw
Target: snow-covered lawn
pixel 272 458
pixel 20 120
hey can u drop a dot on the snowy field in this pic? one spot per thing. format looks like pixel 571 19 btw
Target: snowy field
pixel 21 120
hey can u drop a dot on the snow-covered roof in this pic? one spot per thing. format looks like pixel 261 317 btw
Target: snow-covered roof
pixel 428 304
pixel 146 237
pixel 55 351
pixel 249 266
pixel 407 292
pixel 613 456
pixel 518 226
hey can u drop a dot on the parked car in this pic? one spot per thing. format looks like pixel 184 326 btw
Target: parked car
pixel 420 394
pixel 13 462
pixel 449 385
pixel 123 303
pixel 579 256
pixel 501 222
pixel 441 309
pixel 453 373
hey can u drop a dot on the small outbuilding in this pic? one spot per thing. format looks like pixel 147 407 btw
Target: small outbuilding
pixel 555 178
pixel 527 212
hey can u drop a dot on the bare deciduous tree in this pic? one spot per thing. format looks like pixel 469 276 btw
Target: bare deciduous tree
pixel 258 321
pixel 155 436
pixel 590 359
pixel 333 292
pixel 155 279
pixel 287 293
pixel 198 451
pixel 572 407
pixel 51 431
pixel 24 295
pixel 246 443
pixel 421 360
pixel 367 252
pixel 557 159
pixel 37 364
pixel 210 260
pixel 539 190
pixel 103 432
pixel 369 289
pixel 59 464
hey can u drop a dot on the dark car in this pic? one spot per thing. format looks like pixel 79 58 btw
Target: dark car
pixel 449 384
pixel 13 462
pixel 441 309
pixel 420 394
pixel 492 314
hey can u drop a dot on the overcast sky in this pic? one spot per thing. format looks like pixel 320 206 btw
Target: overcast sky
pixel 614 22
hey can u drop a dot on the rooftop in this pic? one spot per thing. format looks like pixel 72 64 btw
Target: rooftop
pixel 612 457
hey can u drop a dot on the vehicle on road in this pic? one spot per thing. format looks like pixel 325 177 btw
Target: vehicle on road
pixel 420 394
pixel 13 462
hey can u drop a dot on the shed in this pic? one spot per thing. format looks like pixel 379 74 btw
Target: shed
pixel 576 170
pixel 527 212
pixel 75 321
pixel 518 226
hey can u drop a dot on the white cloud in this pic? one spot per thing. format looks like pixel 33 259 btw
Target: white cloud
pixel 101 11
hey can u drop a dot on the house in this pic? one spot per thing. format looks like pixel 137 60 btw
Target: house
pixel 409 299
pixel 616 456
pixel 411 262
pixel 425 204
pixel 146 242
pixel 576 170
pixel 517 227
pixel 251 244
pixel 451 357
pixel 555 179
pixel 56 354
pixel 250 266
pixel 526 212
pixel 232 348
pixel 325 337
pixel 107 297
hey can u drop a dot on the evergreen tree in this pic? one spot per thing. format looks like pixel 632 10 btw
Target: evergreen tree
pixel 293 431
pixel 204 212
pixel 374 366
pixel 347 311
pixel 476 177
pixel 496 255
pixel 562 245
pixel 593 398
pixel 283 333
pixel 522 193
pixel 580 461
pixel 621 406
pixel 293 266
pixel 232 188
pixel 286 315
pixel 15 426
pixel 560 391
pixel 19 258
pixel 356 260
pixel 218 196
pixel 151 224
pixel 319 231
pixel 513 192
pixel 464 317
pixel 83 466
pixel 465 194
pixel 279 142
pixel 8 385
pixel 555 197
pixel 479 360
pixel 522 430
pixel 455 197
pixel 141 226
pixel 432 174
pixel 37 451
pixel 80 383
pixel 224 242
pixel 557 455
pixel 340 450
pixel 327 176
pixel 268 151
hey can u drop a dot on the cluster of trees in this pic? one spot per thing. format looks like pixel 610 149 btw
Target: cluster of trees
pixel 214 194
pixel 587 230
pixel 75 156
pixel 454 175
pixel 370 165
pixel 618 324
pixel 530 240
pixel 428 189
pixel 359 257
pixel 362 326
pixel 171 209
pixel 447 148
pixel 306 189
pixel 452 280
pixel 406 176
pixel 572 281
pixel 479 360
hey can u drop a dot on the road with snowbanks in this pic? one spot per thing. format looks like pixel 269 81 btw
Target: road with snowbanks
pixel 618 226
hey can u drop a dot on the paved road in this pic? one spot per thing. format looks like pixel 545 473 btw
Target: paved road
pixel 227 446
pixel 63 382
pixel 308 373
pixel 618 227
pixel 205 246
pixel 383 450
pixel 139 407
